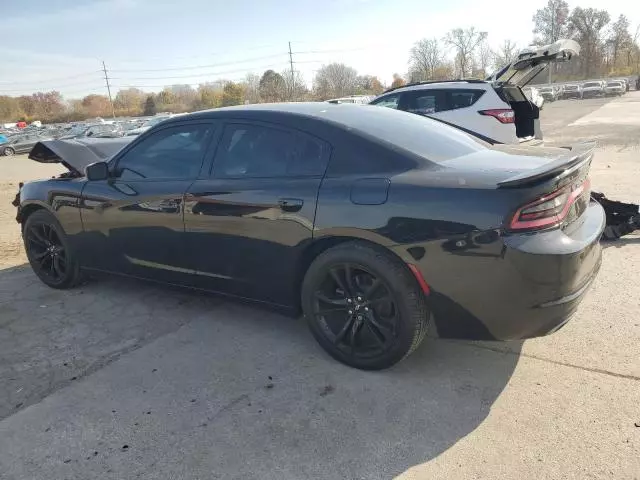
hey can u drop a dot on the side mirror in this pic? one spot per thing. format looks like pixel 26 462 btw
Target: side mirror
pixel 97 171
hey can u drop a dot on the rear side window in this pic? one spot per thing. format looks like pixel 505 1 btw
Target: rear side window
pixel 259 151
pixel 462 98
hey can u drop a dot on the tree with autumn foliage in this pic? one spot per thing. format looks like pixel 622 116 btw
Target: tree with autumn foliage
pixel 398 81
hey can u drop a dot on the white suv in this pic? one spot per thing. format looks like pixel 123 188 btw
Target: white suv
pixel 495 109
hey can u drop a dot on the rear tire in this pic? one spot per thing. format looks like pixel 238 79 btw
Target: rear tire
pixel 8 151
pixel 364 306
pixel 48 251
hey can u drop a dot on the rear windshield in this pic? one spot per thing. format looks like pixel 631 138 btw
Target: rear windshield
pixel 420 135
pixel 592 84
pixel 613 84
pixel 571 87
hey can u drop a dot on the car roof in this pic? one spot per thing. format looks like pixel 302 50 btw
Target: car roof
pixel 380 125
pixel 343 115
pixel 437 83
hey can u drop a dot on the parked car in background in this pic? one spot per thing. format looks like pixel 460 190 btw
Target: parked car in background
pixel 335 198
pixel 533 94
pixel 614 88
pixel 592 89
pixel 571 90
pixel 152 122
pixel 496 109
pixel 549 92
pixel 100 130
pixel 358 99
pixel 21 143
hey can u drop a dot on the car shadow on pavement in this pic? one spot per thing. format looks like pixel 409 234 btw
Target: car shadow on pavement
pixel 622 242
pixel 240 389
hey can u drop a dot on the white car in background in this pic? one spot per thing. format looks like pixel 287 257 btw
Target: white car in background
pixel 495 109
pixel 359 99
pixel 615 87
pixel 534 96
pixel 152 122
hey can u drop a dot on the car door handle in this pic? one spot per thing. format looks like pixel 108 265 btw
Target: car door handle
pixel 290 204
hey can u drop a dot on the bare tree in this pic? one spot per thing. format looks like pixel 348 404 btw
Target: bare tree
pixel 619 39
pixel 505 54
pixel 335 80
pixel 551 22
pixel 465 42
pixel 485 58
pixel 252 88
pixel 294 85
pixel 586 25
pixel 425 57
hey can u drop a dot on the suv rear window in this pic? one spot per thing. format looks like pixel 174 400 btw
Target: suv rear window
pixel 462 98
pixel 592 84
pixel 428 101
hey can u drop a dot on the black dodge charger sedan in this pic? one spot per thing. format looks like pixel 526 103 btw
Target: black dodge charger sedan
pixel 373 222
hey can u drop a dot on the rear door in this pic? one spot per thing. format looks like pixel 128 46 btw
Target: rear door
pixel 133 222
pixel 247 223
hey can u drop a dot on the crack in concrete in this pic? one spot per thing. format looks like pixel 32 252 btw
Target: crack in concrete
pixel 547 360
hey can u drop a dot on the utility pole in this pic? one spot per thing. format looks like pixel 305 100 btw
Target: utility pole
pixel 106 79
pixel 293 85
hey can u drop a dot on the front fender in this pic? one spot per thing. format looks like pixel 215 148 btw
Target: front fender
pixel 61 197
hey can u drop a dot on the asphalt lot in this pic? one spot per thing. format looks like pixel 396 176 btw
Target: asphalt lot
pixel 119 379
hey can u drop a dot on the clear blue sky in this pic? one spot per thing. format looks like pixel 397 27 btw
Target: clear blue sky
pixel 44 42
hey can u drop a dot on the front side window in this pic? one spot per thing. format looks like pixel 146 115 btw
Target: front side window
pixel 170 153
pixel 389 101
pixel 257 151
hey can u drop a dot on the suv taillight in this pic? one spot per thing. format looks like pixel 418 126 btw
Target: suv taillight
pixel 549 210
pixel 503 115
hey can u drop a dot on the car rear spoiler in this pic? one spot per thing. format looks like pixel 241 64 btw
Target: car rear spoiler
pixel 77 154
pixel 579 155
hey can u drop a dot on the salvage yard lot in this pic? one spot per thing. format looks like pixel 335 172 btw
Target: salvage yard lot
pixel 120 379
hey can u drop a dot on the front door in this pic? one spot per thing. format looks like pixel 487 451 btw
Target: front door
pixel 133 222
pixel 248 223
pixel 25 144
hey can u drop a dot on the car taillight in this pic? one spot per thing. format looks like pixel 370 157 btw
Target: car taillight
pixel 549 210
pixel 503 115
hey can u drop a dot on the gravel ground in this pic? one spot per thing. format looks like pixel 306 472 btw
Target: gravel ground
pixel 119 379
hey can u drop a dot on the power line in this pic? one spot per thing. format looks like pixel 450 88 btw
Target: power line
pixel 190 57
pixel 196 75
pixel 340 50
pixel 39 89
pixel 280 55
pixel 50 80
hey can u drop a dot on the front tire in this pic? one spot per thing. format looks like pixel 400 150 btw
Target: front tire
pixel 364 306
pixel 8 151
pixel 48 251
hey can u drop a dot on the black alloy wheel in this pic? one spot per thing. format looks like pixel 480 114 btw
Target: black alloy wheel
pixel 364 306
pixel 356 310
pixel 48 251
